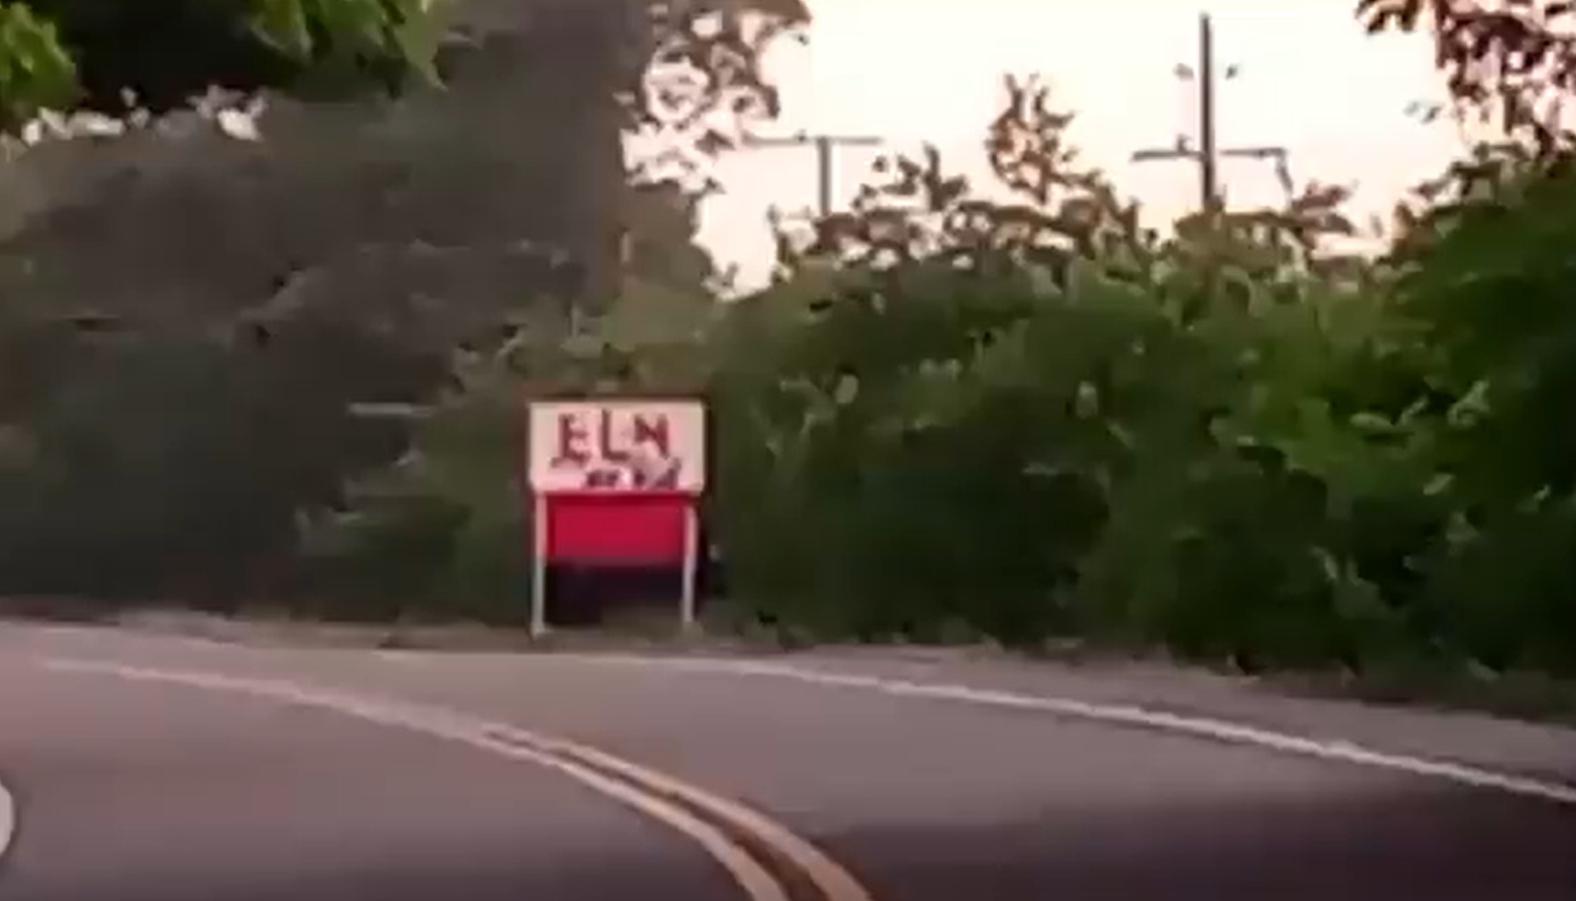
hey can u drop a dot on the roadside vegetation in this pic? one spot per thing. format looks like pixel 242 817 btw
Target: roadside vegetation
pixel 951 415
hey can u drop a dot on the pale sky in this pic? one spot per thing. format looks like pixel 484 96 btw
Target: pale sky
pixel 931 70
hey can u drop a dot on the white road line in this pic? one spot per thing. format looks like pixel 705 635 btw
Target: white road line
pixel 403 658
pixel 7 819
pixel 1128 715
pixel 638 787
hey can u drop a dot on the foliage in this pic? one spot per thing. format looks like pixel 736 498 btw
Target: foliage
pixel 1513 63
pixel 166 51
pixel 35 70
pixel 340 261
pixel 700 78
pixel 147 466
pixel 1038 418
pixel 1487 284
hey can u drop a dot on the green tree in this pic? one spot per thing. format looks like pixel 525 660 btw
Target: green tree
pixel 188 318
pixel 67 52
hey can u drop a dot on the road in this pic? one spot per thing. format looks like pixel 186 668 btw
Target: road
pixel 157 769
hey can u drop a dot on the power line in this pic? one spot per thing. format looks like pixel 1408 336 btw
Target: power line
pixel 825 145
pixel 1209 154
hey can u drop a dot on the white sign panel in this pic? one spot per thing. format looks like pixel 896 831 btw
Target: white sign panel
pixel 618 446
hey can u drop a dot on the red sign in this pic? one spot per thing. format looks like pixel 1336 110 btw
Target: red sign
pixel 617 530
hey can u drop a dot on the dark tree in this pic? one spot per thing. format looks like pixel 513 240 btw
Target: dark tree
pixel 90 53
pixel 1513 63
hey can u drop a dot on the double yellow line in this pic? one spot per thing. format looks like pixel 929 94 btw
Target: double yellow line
pixel 766 860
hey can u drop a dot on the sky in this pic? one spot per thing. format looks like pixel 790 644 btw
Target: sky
pixel 915 71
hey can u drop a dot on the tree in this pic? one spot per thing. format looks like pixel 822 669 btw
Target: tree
pixel 55 53
pixel 700 75
pixel 1512 63
pixel 1035 415
pixel 258 289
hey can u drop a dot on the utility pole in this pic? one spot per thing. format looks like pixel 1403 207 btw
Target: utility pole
pixel 1209 159
pixel 824 145
pixel 1209 154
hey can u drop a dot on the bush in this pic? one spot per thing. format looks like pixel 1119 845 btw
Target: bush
pixel 1279 463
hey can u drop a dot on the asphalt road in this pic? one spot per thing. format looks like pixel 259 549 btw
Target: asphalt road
pixel 150 769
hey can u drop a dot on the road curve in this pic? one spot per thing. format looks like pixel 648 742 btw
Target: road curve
pixel 768 862
pixel 164 769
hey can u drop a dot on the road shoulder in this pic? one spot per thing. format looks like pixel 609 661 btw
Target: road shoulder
pixel 1540 750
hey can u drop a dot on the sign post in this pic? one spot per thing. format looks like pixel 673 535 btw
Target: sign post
pixel 691 564
pixel 616 483
pixel 538 565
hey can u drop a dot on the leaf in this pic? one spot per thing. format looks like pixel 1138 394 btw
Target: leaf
pixel 283 25
pixel 1374 423
pixel 36 72
pixel 847 390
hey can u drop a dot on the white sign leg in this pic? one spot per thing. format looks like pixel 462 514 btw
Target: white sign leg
pixel 691 564
pixel 539 566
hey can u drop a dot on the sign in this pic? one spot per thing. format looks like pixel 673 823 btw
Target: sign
pixel 616 483
pixel 618 530
pixel 618 447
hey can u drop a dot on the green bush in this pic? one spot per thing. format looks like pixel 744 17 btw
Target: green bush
pixel 1283 463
